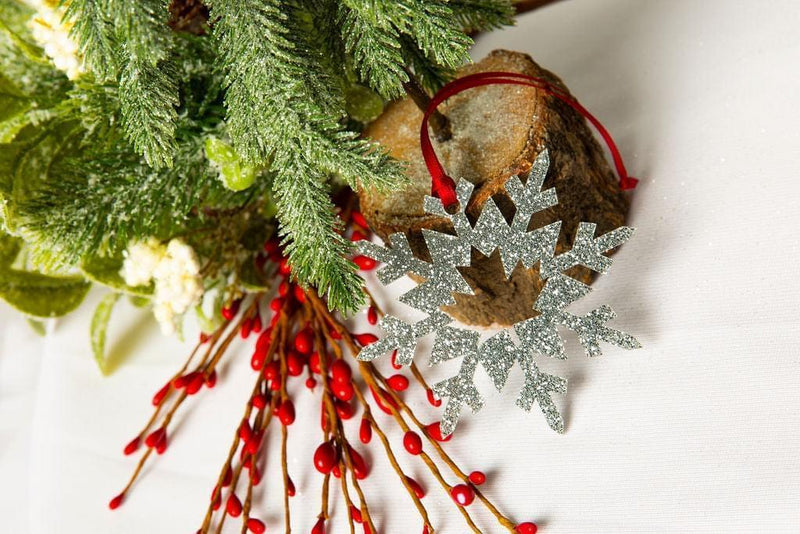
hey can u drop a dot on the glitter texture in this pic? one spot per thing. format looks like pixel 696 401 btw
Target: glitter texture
pixel 535 336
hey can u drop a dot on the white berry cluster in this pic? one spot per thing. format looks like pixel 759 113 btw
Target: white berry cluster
pixel 175 271
pixel 52 34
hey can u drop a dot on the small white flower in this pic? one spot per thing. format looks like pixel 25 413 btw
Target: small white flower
pixel 174 268
pixel 141 260
pixel 165 316
pixel 52 34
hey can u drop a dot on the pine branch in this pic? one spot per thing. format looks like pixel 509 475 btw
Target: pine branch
pixel 142 25
pixel 132 41
pixel 374 43
pixel 435 31
pixel 149 95
pixel 94 32
pixel 311 230
pixel 299 133
pixel 482 15
pixel 96 202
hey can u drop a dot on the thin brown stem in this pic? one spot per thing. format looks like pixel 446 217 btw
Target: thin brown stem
pixel 439 123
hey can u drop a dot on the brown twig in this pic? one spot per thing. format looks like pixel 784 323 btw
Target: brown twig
pixel 439 123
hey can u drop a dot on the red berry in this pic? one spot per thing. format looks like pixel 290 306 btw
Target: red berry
pixel 252 445
pixel 180 381
pixel 211 379
pixel 462 494
pixel 433 400
pixel 319 528
pixel 259 401
pixel 384 401
pixel 295 362
pixel 434 430
pixel 526 528
pixel 359 219
pixel 116 501
pixel 325 457
pixel 313 363
pixel 477 478
pixel 256 526
pixel 161 393
pixel 299 294
pixel 412 442
pixel 161 446
pixel 246 328
pixel 357 236
pixel 290 489
pixel 195 383
pixel 272 371
pixel 283 288
pixel 336 472
pixel 263 341
pixel 311 383
pixel 396 366
pixel 257 324
pixel 343 390
pixel 276 304
pixel 365 431
pixel 283 267
pixel 154 437
pixel 255 475
pixel 365 339
pixel 355 513
pixel 398 382
pixel 304 341
pixel 418 491
pixel 272 247
pixel 216 501
pixel 286 412
pixel 360 467
pixel 344 409
pixel 244 430
pixel 372 315
pixel 234 506
pixel 230 311
pixel 341 372
pixel 133 445
pixel 365 263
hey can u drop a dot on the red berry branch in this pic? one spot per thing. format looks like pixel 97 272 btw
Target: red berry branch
pixel 305 339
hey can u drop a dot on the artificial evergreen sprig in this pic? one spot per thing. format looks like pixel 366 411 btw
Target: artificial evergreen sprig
pixel 117 154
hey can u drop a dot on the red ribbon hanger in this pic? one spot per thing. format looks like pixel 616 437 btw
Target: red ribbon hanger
pixel 443 186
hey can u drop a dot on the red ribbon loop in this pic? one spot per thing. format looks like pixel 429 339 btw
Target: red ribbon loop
pixel 444 187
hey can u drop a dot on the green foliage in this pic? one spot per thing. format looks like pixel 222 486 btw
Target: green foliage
pixel 134 148
pixel 235 174
pixel 130 42
pixel 482 15
pixel 105 270
pixel 99 326
pixel 94 32
pixel 41 295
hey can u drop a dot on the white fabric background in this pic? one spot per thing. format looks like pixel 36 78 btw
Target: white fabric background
pixel 697 432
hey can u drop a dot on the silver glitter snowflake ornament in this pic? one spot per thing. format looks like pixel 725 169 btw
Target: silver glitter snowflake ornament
pixel 535 336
